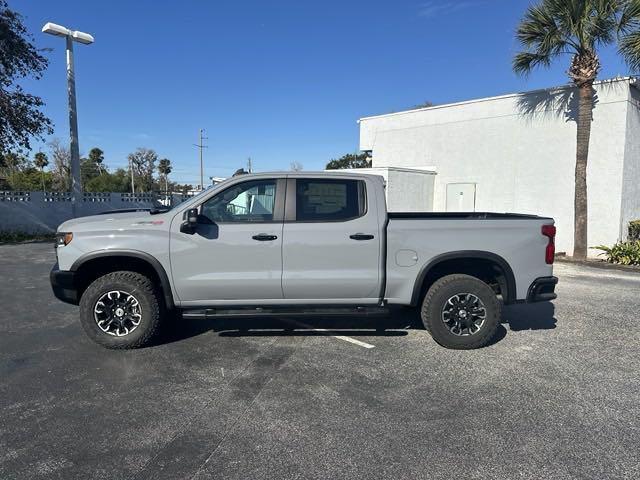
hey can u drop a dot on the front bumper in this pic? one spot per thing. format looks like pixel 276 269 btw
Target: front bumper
pixel 542 289
pixel 63 285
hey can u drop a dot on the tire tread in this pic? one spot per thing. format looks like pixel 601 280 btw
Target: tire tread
pixel 445 282
pixel 143 284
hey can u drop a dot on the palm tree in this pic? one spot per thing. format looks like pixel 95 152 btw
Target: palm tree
pixel 164 168
pixel 553 28
pixel 97 157
pixel 41 161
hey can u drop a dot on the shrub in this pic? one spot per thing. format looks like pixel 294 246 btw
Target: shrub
pixel 624 253
pixel 634 230
pixel 18 237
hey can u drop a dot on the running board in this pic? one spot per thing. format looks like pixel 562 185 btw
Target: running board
pixel 282 312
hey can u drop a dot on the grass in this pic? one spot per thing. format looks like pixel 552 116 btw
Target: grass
pixel 20 237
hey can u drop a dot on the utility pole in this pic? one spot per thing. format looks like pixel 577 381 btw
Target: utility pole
pixel 201 146
pixel 133 188
pixel 249 167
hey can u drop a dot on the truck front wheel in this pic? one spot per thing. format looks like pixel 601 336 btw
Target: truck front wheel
pixel 121 310
pixel 461 312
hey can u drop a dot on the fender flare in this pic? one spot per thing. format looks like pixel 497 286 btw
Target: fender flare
pixel 467 254
pixel 151 260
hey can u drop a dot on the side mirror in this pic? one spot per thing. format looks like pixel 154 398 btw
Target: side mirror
pixel 191 221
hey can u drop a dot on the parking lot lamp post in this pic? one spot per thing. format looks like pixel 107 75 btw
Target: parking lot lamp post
pixel 74 148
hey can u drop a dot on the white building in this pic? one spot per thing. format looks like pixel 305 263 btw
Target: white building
pixel 406 189
pixel 516 153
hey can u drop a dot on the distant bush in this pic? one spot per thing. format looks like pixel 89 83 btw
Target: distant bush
pixel 634 230
pixel 18 237
pixel 623 253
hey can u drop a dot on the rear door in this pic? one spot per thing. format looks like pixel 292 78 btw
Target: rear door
pixel 331 242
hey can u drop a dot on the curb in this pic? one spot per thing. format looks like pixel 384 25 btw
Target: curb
pixel 599 264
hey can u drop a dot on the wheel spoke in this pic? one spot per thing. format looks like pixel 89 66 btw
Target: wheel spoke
pixel 464 314
pixel 117 313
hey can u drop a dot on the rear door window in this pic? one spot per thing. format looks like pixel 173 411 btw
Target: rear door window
pixel 319 200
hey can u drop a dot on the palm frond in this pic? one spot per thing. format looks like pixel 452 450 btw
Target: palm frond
pixel 541 36
pixel 630 17
pixel 525 62
pixel 601 22
pixel 629 33
pixel 629 48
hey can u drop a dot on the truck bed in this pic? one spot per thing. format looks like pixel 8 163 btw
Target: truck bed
pixel 415 240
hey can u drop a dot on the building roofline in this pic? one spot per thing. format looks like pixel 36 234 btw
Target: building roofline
pixel 633 81
pixel 369 170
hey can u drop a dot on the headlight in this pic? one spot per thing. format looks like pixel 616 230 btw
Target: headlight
pixel 63 238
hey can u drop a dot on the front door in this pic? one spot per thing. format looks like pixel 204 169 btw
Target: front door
pixel 331 246
pixel 235 255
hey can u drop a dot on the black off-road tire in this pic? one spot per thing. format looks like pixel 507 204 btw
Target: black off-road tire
pixel 150 301
pixel 438 295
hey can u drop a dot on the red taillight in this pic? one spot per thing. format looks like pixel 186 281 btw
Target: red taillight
pixel 549 231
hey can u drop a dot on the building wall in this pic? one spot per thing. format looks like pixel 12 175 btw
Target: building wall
pixel 519 150
pixel 630 205
pixel 405 190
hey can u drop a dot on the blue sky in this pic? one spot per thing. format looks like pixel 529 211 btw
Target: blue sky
pixel 279 81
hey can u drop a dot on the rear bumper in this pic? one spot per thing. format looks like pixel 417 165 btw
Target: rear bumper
pixel 63 285
pixel 542 289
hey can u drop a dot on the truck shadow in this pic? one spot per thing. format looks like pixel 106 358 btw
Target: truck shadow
pixel 393 325
pixel 533 316
pixel 538 316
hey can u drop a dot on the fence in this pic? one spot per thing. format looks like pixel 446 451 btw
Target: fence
pixel 42 212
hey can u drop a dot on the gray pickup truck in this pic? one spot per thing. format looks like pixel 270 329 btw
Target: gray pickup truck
pixel 300 243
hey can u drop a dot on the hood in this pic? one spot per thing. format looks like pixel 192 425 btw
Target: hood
pixel 107 221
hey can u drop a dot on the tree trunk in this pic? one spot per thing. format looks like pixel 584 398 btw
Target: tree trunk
pixel 585 108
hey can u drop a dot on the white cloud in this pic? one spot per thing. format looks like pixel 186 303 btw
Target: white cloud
pixel 141 136
pixel 433 8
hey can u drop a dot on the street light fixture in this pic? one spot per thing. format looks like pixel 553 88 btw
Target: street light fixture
pixel 84 38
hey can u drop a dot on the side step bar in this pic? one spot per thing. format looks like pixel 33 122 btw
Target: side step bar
pixel 282 312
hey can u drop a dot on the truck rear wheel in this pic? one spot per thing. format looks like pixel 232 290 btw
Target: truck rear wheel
pixel 461 312
pixel 121 310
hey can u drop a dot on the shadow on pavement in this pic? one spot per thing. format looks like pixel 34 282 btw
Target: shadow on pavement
pixel 532 316
pixel 538 316
pixel 393 325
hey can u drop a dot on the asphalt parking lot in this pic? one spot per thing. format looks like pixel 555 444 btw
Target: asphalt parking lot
pixel 556 396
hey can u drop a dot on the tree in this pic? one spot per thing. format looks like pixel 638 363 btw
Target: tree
pixel 96 156
pixel 117 181
pixel 553 28
pixel 164 168
pixel 15 162
pixel 143 162
pixel 89 169
pixel 296 167
pixel 20 115
pixel 61 157
pixel 425 104
pixel 41 161
pixel 350 160
pixel 29 179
